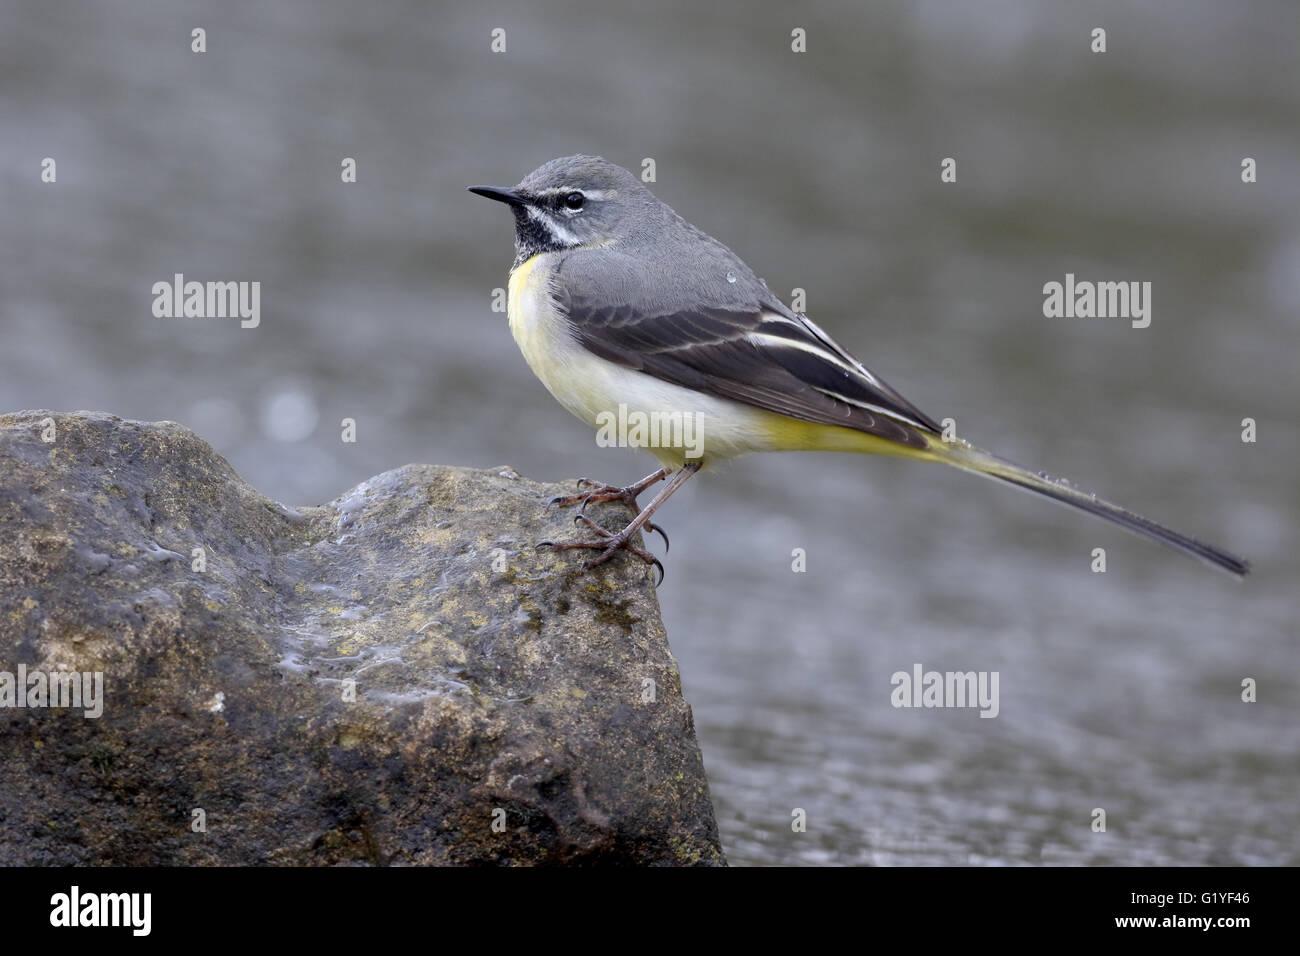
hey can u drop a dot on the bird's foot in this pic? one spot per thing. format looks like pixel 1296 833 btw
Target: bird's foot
pixel 599 491
pixel 608 544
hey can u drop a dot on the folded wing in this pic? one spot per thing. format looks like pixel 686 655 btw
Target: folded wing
pixel 762 355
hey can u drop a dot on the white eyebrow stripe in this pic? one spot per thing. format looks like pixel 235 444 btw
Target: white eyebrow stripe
pixel 596 194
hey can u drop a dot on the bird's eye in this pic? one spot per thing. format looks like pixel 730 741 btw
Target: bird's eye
pixel 574 200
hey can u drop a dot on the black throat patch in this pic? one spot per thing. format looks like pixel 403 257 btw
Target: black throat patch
pixel 532 237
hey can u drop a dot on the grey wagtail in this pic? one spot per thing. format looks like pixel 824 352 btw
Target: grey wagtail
pixel 625 310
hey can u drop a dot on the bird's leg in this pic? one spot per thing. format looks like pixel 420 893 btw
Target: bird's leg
pixel 609 542
pixel 603 492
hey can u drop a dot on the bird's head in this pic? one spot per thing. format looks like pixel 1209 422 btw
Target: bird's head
pixel 570 202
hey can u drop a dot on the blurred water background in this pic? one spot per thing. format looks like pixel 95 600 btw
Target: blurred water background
pixel 1118 690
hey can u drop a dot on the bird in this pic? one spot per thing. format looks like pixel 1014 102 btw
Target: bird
pixel 622 308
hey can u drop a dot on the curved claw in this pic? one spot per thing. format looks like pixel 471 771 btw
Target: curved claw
pixel 543 544
pixel 585 501
pixel 662 574
pixel 662 533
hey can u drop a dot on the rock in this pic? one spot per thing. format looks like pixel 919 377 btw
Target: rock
pixel 396 677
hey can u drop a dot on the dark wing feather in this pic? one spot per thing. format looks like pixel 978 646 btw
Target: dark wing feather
pixel 764 356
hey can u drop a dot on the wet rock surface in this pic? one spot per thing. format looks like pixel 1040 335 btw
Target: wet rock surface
pixel 396 677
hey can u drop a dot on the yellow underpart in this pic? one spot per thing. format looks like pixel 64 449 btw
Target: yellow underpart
pixel 792 434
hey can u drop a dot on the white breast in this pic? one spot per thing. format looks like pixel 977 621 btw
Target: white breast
pixel 593 389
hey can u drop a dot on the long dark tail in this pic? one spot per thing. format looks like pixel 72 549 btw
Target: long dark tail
pixel 970 458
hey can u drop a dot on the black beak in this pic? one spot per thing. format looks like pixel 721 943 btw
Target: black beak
pixel 508 196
